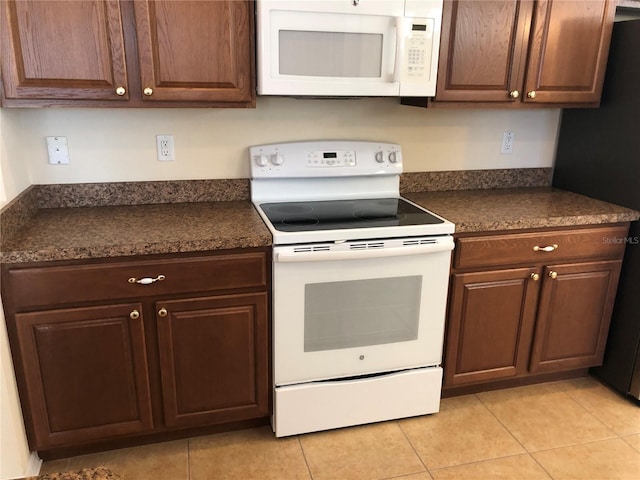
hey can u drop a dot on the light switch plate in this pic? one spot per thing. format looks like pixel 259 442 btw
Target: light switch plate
pixel 58 150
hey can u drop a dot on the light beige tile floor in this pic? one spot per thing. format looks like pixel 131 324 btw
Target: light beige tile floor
pixel 576 429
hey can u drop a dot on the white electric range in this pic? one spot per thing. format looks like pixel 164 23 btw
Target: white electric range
pixel 360 278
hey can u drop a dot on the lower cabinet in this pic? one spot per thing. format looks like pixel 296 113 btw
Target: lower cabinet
pixel 530 303
pixel 574 313
pixel 213 354
pixel 168 357
pixel 85 373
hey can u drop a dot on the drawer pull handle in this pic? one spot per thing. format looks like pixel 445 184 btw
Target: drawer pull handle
pixel 134 315
pixel 147 280
pixel 548 248
pixel 553 274
pixel 535 277
pixel 162 312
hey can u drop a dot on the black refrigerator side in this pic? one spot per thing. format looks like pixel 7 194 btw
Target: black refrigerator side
pixel 598 155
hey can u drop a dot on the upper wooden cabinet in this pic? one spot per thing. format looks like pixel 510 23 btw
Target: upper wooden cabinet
pixel 127 53
pixel 63 50
pixel 195 50
pixel 524 52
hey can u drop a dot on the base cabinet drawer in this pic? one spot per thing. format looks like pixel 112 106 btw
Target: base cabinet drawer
pixel 521 321
pixel 42 286
pixel 536 247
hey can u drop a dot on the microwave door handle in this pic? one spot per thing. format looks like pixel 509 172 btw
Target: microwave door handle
pixel 397 65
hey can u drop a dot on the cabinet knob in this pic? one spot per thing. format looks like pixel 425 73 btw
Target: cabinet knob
pixel 553 274
pixel 121 91
pixel 531 94
pixel 514 94
pixel 134 315
pixel 548 248
pixel 148 91
pixel 162 312
pixel 535 277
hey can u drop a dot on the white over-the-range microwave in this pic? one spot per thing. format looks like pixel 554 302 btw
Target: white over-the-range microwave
pixel 348 47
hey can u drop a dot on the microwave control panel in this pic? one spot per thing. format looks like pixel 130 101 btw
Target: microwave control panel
pixel 418 45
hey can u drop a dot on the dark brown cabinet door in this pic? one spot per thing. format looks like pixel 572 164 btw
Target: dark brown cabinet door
pixel 490 325
pixel 195 50
pixel 515 51
pixel 483 50
pixel 214 359
pixel 574 314
pixel 85 374
pixel 568 51
pixel 63 50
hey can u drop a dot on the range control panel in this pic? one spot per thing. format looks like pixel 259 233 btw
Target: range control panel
pixel 325 159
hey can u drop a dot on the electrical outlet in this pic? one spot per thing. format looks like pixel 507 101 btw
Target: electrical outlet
pixel 166 151
pixel 58 150
pixel 507 142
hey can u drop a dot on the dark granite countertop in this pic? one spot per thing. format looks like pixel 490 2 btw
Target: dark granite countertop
pixel 111 231
pixel 519 208
pixel 67 233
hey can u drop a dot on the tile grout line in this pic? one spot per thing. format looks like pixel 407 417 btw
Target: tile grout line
pixel 513 436
pixel 188 459
pixel 501 423
pixel 304 456
pixel 592 414
pixel 413 448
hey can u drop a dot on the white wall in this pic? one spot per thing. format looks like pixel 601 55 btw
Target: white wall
pixel 119 144
pixel 15 458
pixel 14 170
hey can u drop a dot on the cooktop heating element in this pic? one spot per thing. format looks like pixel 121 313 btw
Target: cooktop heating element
pixel 338 214
pixel 335 191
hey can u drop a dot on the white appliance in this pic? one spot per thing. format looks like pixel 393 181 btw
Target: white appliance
pixel 360 279
pixel 348 47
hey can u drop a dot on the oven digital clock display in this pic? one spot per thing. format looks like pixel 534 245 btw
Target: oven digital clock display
pixel 337 158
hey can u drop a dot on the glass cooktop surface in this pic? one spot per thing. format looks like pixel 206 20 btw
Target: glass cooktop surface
pixel 341 214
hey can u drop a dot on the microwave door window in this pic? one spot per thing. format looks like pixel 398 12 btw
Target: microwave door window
pixel 359 313
pixel 330 54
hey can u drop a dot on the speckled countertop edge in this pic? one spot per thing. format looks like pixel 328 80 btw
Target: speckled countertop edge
pixel 519 209
pixel 117 231
pixel 99 225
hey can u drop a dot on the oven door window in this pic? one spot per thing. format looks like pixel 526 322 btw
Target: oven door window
pixel 359 313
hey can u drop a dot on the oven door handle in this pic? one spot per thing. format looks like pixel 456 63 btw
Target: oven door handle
pixel 324 256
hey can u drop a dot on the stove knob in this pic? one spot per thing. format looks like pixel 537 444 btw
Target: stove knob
pixel 261 160
pixel 393 157
pixel 277 159
pixel 379 157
